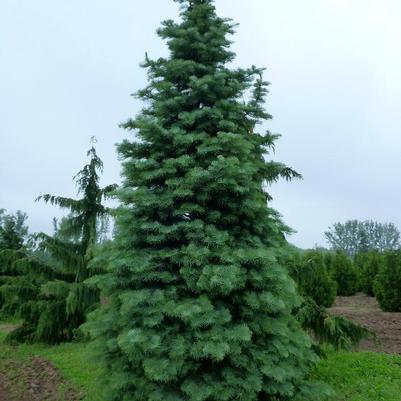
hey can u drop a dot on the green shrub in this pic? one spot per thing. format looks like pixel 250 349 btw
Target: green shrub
pixel 360 260
pixel 317 287
pixel 310 272
pixel 368 265
pixel 387 286
pixel 344 273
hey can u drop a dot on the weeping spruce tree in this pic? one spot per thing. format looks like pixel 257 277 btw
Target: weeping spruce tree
pixel 198 308
pixel 46 288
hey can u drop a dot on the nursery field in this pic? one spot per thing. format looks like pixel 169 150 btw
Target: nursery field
pixel 366 311
pixel 68 372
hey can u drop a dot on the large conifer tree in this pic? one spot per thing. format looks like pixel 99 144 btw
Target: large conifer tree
pixel 198 308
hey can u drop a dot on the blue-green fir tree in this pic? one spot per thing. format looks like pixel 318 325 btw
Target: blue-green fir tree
pixel 197 306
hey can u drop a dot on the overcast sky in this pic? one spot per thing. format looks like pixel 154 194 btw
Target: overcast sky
pixel 67 69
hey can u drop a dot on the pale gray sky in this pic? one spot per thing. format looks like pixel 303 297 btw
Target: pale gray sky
pixel 67 69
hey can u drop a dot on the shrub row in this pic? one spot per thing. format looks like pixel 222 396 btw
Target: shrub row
pixel 310 271
pixel 321 275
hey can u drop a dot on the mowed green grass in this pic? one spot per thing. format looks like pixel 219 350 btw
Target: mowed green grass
pixel 362 376
pixel 355 376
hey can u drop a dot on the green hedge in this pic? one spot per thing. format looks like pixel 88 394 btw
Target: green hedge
pixel 345 273
pixel 369 265
pixel 387 286
pixel 311 274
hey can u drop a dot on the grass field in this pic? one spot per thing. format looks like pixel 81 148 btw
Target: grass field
pixel 355 376
pixel 362 376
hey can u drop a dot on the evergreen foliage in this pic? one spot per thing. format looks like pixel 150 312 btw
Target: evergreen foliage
pixel 87 215
pixel 344 273
pixel 198 307
pixel 329 329
pixel 324 328
pixel 13 230
pixel 369 265
pixel 311 274
pixel 13 246
pixel 47 289
pixel 387 286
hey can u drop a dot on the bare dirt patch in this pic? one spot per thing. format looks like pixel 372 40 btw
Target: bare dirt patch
pixel 366 311
pixel 34 380
pixel 7 328
pixel 3 391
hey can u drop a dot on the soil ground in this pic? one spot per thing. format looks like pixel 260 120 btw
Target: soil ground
pixel 7 328
pixel 366 311
pixel 32 379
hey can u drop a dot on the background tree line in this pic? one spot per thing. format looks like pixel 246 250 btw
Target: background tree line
pixel 355 236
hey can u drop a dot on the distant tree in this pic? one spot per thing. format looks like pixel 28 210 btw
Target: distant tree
pixel 47 290
pixel 355 236
pixel 311 274
pixel 13 230
pixel 344 273
pixel 369 264
pixel 387 286
pixel 13 244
